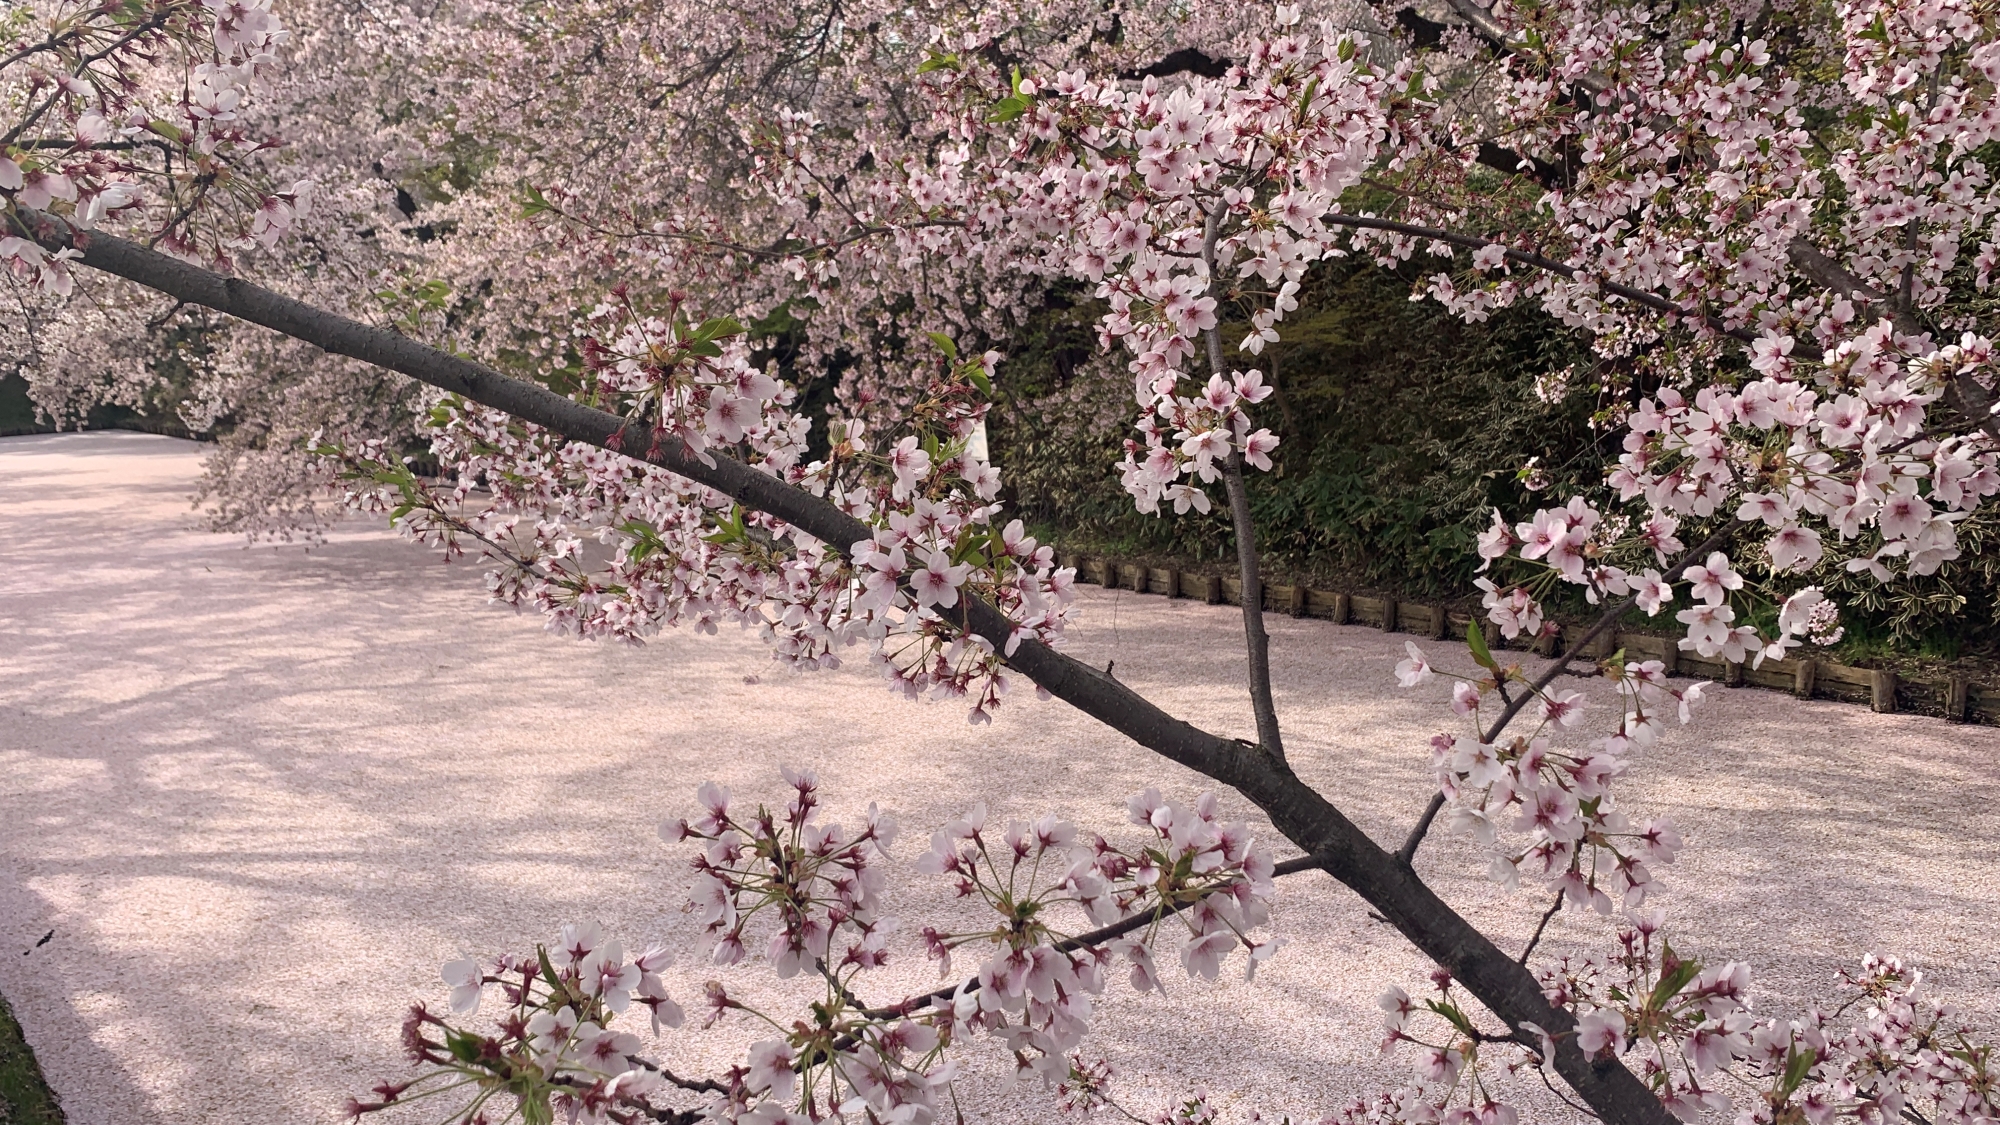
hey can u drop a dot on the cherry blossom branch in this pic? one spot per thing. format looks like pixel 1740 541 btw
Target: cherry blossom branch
pixel 1637 296
pixel 150 25
pixel 1257 642
pixel 1482 22
pixel 1606 620
pixel 1299 812
pixel 1081 941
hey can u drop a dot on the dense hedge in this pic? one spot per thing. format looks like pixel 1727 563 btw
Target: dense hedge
pixel 1403 427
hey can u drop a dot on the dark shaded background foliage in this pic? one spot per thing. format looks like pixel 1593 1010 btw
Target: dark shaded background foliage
pixel 1403 427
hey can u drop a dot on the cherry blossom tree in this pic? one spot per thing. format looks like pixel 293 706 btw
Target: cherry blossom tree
pixel 1773 224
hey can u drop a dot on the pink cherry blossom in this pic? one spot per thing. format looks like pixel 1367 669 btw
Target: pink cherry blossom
pixel 1414 669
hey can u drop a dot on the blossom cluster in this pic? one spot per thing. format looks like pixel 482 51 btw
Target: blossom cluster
pixel 1697 1041
pixel 134 112
pixel 1691 1033
pixel 683 554
pixel 805 894
pixel 1033 989
pixel 1547 808
pixel 553 1049
pixel 1840 417
pixel 1169 201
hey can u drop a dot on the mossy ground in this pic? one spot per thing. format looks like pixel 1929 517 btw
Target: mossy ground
pixel 25 1098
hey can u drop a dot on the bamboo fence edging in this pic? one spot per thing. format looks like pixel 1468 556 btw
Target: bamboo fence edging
pixel 1958 697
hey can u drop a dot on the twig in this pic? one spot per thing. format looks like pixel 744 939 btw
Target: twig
pixel 1094 937
pixel 1540 926
pixel 698 1085
pixel 1585 1110
pixel 1408 851
pixel 1257 642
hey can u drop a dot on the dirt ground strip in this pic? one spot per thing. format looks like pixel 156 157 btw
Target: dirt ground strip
pixel 260 794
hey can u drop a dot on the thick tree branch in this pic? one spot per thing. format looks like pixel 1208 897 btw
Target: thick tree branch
pixel 1822 269
pixel 1305 817
pixel 1187 60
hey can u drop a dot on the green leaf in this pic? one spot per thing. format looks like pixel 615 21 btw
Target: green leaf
pixel 703 347
pixel 945 344
pixel 938 62
pixel 727 531
pixel 977 376
pixel 647 541
pixel 1671 983
pixel 1450 1012
pixel 1476 641
pixel 535 204
pixel 463 1045
pixel 1797 1066
pixel 718 328
pixel 1008 108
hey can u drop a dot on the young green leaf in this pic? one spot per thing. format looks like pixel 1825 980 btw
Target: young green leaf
pixel 1672 981
pixel 1798 1065
pixel 1476 641
pixel 1008 108
pixel 1452 1013
pixel 718 328
pixel 464 1045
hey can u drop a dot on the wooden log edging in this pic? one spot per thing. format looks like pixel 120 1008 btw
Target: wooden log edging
pixel 1957 697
